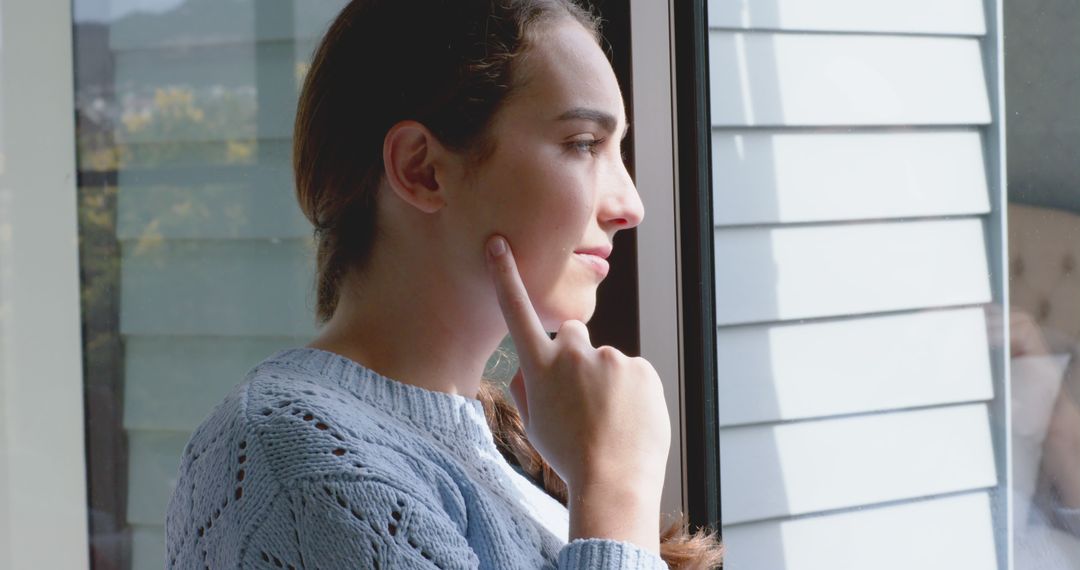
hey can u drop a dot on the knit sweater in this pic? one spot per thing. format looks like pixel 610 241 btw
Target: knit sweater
pixel 315 461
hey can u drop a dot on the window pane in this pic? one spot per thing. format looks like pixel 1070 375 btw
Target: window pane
pixel 196 261
pixel 1044 291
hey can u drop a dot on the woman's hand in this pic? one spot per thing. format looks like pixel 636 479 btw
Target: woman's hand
pixel 596 415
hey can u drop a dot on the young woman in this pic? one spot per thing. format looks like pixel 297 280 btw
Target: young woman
pixel 460 161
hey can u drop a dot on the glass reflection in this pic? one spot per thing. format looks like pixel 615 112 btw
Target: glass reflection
pixel 184 109
pixel 188 231
pixel 1043 139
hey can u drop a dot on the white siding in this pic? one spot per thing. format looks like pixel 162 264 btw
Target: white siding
pixel 941 534
pixel 851 201
pixel 781 371
pixel 772 79
pixel 799 272
pixel 768 177
pixel 822 465
pixel 961 17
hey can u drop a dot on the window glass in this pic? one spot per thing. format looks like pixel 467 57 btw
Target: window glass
pixel 1043 138
pixel 196 261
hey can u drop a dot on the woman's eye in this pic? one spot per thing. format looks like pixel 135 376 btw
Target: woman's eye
pixel 585 145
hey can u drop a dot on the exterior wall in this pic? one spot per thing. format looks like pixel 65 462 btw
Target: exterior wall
pixel 854 208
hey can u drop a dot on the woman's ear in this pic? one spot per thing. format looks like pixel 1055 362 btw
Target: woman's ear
pixel 411 157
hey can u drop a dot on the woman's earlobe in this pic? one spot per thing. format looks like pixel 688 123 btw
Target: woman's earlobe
pixel 410 153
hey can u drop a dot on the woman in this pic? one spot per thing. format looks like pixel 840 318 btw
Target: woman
pixel 460 161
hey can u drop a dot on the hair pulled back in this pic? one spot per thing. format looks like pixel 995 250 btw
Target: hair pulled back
pixel 447 64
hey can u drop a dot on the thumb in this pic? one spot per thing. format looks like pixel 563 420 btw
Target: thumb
pixel 517 391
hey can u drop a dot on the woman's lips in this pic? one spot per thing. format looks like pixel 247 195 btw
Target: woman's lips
pixel 597 263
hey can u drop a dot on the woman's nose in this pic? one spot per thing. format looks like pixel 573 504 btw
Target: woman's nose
pixel 621 206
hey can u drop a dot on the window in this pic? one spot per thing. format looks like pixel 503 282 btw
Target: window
pixel 858 269
pixel 189 232
pixel 851 398
pixel 196 262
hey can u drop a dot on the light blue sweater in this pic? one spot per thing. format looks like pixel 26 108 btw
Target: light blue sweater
pixel 315 461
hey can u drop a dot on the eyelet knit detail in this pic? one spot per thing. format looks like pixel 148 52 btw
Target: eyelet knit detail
pixel 315 461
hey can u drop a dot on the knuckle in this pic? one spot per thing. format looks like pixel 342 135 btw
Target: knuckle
pixel 576 353
pixel 645 367
pixel 573 332
pixel 609 354
pixel 572 327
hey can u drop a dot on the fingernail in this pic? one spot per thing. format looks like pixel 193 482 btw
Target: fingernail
pixel 497 246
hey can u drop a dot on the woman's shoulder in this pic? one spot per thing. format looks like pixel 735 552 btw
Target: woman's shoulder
pixel 302 426
pixel 287 433
pixel 286 428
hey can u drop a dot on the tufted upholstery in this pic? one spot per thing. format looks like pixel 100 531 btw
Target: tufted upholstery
pixel 1044 269
pixel 1044 281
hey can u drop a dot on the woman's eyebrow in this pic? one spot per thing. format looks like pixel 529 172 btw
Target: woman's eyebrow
pixel 606 120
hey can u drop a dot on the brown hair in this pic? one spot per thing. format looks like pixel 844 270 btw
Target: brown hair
pixel 447 64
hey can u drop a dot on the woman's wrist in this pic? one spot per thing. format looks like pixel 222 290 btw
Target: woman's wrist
pixel 616 510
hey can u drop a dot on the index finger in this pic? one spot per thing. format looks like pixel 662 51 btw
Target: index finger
pixel 530 338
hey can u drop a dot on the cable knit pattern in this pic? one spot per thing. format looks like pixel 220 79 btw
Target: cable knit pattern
pixel 317 462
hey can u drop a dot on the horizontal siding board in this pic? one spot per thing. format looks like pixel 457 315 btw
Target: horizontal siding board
pixel 153 461
pixel 221 84
pixel 217 287
pixel 172 383
pixel 265 207
pixel 171 162
pixel 811 370
pixel 947 533
pixel 785 177
pixel 147 546
pixel 781 79
pixel 788 273
pixel 820 465
pixel 961 17
pixel 209 22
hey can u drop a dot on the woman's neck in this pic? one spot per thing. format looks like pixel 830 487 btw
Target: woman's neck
pixel 430 332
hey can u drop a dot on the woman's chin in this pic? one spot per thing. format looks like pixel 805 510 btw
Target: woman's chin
pixel 579 308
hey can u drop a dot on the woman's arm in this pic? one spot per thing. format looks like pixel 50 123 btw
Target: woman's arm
pixel 370 523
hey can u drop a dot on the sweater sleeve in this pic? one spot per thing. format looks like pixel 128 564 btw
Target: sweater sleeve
pixel 373 524
pixel 608 555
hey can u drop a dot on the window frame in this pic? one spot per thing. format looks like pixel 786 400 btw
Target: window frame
pixel 43 495
pixel 676 293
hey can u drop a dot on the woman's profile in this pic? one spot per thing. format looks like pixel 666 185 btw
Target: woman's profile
pixel 460 162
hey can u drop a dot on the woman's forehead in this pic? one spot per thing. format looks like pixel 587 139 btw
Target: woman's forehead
pixel 565 69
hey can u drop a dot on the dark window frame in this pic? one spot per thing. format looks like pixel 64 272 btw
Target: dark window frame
pixel 697 283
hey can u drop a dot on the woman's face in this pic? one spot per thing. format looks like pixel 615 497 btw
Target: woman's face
pixel 555 184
